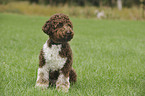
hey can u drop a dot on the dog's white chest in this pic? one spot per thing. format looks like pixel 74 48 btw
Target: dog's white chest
pixel 52 57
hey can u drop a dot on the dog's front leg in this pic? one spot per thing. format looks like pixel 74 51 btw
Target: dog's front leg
pixel 42 78
pixel 63 82
pixel 43 72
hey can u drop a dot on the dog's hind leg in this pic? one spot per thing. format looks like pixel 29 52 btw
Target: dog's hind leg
pixel 72 76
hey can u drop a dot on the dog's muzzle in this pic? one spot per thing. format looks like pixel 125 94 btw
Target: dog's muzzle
pixel 69 35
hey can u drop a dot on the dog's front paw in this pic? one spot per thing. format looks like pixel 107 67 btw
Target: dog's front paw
pixel 42 85
pixel 62 86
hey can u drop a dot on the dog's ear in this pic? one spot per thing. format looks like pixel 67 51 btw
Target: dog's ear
pixel 47 27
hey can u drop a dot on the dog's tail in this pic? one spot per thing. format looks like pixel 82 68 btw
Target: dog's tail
pixel 72 76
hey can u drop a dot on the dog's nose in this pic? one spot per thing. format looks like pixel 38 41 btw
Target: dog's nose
pixel 68 32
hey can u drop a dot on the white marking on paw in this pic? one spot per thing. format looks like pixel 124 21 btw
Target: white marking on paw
pixel 43 77
pixel 62 83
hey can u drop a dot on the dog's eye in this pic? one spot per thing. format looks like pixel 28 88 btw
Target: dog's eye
pixel 69 25
pixel 60 24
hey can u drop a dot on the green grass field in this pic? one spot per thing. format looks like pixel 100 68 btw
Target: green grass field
pixel 109 57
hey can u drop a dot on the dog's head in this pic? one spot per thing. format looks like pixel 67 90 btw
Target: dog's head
pixel 59 28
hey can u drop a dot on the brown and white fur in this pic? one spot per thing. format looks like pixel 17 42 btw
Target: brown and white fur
pixel 55 59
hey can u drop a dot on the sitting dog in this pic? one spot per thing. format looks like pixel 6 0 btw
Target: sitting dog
pixel 55 59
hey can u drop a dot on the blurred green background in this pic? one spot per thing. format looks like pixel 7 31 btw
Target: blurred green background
pixel 101 9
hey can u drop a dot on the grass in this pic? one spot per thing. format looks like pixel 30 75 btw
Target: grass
pixel 109 57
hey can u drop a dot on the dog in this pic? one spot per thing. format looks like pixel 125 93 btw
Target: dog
pixel 55 59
